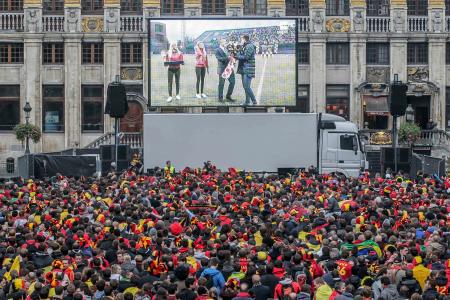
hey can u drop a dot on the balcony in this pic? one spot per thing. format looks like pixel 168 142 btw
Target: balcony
pixel 131 24
pixel 53 23
pixel 303 24
pixel 417 24
pixel 11 21
pixel 378 24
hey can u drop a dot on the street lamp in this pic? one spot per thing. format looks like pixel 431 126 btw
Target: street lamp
pixel 27 110
pixel 409 114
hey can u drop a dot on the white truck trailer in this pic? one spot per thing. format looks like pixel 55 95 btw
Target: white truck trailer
pixel 258 142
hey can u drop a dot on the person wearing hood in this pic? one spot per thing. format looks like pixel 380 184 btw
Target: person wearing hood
pixel 389 291
pixel 218 280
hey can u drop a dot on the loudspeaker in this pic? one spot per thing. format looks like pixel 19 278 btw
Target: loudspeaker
pixel 403 155
pixel 106 152
pixel 116 100
pixel 397 99
pixel 123 152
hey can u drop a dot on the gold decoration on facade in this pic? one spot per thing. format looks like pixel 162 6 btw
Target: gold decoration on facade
pixel 131 73
pixel 337 25
pixel 317 3
pixel 92 24
pixel 358 3
pixel 275 3
pixel 436 4
pixel 398 3
pixel 151 3
pixel 381 138
pixel 72 3
pixel 111 3
pixel 32 3
pixel 235 2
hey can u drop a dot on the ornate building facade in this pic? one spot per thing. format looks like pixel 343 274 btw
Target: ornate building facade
pixel 60 56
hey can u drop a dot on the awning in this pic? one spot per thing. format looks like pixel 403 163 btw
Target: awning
pixel 376 105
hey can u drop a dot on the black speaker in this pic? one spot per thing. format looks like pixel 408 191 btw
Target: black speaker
pixel 403 155
pixel 123 152
pixel 107 152
pixel 116 101
pixel 397 99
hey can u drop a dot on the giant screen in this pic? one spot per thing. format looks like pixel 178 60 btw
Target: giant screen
pixel 214 62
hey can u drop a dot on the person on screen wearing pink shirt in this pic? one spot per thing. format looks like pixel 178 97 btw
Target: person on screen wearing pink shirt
pixel 173 60
pixel 201 66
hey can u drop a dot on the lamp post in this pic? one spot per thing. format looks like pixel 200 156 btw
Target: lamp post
pixel 27 110
pixel 409 114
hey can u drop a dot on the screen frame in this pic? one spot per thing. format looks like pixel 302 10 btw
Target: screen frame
pixel 149 77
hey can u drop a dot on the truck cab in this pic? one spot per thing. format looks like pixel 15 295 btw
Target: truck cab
pixel 341 149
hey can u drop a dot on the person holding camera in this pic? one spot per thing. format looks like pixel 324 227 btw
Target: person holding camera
pixel 247 68
pixel 225 63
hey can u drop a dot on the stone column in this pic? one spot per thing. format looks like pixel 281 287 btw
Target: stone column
pixel 145 61
pixel 72 16
pixel 276 8
pixel 399 16
pixel 72 101
pixel 317 73
pixel 192 8
pixel 437 75
pixel 111 10
pixel 33 81
pixel 235 8
pixel 111 67
pixel 436 16
pixel 152 9
pixel 358 15
pixel 398 53
pixel 357 76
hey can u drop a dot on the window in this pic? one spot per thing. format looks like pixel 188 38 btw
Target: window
pixel 92 53
pixel 377 8
pixel 9 106
pixel 92 7
pixel 338 8
pixel 92 107
pixel 53 53
pixel 447 53
pixel 447 7
pixel 11 53
pixel 417 7
pixel 131 53
pixel 131 6
pixel 303 53
pixel 447 109
pixel 338 53
pixel 417 53
pixel 213 7
pixel 338 100
pixel 297 7
pixel 377 53
pixel 172 7
pixel 53 6
pixel 11 5
pixel 255 7
pixel 348 142
pixel 53 108
pixel 303 98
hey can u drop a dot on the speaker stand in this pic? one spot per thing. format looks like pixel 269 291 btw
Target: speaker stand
pixel 394 141
pixel 117 141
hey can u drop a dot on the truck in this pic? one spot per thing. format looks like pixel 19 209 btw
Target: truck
pixel 256 142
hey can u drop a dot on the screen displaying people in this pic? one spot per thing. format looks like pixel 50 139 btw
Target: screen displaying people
pixel 222 62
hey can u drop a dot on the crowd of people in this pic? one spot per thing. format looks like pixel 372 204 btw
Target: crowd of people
pixel 210 234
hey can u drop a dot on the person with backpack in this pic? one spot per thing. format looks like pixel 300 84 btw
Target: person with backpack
pixel 284 288
pixel 213 276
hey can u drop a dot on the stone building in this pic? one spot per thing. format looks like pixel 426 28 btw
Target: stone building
pixel 60 55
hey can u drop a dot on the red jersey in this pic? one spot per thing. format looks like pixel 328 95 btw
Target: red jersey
pixel 344 269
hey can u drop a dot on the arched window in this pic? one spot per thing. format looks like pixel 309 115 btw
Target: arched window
pixel 377 8
pixel 213 7
pixel 172 7
pixel 297 7
pixel 418 7
pixel 255 7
